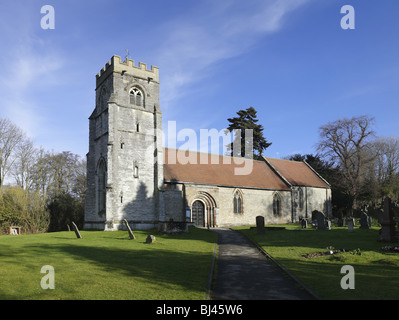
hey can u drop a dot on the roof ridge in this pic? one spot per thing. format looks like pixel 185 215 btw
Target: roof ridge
pixel 213 154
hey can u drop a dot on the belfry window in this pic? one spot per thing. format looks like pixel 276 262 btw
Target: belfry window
pixel 136 97
pixel 237 202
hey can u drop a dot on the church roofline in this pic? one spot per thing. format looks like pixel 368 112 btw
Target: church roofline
pixel 224 186
pixel 317 173
pixel 277 173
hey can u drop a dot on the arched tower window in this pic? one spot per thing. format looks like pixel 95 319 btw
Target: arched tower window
pixel 136 97
pixel 277 205
pixel 101 187
pixel 237 202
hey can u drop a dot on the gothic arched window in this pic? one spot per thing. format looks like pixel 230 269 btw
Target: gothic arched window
pixel 136 97
pixel 237 202
pixel 276 204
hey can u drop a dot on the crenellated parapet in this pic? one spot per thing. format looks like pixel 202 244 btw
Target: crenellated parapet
pixel 127 68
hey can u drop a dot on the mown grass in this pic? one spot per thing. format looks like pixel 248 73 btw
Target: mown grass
pixel 376 272
pixel 107 265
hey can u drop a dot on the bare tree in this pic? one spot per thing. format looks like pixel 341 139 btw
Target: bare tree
pixel 346 142
pixel 11 137
pixel 387 164
pixel 26 158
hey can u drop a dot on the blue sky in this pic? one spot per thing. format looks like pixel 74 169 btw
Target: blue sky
pixel 289 59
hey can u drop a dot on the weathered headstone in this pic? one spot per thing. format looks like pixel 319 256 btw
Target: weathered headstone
pixel 131 234
pixel 387 223
pixel 351 223
pixel 328 225
pixel 320 218
pixel 260 224
pixel 75 228
pixel 150 239
pixel 364 223
pixel 304 223
pixel 340 221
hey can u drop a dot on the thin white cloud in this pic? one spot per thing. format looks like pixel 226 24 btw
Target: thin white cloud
pixel 29 70
pixel 213 32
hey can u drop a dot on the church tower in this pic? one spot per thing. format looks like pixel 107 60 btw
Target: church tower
pixel 124 162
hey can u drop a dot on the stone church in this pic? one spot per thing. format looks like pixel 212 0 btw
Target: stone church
pixel 132 177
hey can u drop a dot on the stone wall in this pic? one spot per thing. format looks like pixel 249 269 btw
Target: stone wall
pixel 219 200
pixel 255 203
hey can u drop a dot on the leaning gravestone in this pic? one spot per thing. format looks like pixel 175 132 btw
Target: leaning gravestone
pixel 260 224
pixel 131 234
pixel 340 221
pixel 304 223
pixel 75 228
pixel 321 222
pixel 351 224
pixel 364 222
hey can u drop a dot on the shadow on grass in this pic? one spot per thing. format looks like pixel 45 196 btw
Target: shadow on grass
pixel 133 269
pixel 110 265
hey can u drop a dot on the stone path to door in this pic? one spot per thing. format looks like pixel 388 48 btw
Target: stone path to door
pixel 243 273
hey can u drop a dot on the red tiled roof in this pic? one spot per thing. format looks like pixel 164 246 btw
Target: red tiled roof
pixel 297 173
pixel 217 171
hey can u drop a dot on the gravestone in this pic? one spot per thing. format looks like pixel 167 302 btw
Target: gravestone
pixel 340 221
pixel 260 224
pixel 320 218
pixel 150 239
pixel 364 222
pixel 304 223
pixel 131 234
pixel 387 232
pixel 75 228
pixel 351 224
pixel 328 225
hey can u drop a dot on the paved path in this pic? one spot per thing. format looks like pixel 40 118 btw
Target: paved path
pixel 243 273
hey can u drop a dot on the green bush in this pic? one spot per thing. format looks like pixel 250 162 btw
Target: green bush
pixel 65 209
pixel 19 207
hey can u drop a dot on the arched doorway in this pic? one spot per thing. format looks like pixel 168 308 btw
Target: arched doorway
pixel 203 210
pixel 197 214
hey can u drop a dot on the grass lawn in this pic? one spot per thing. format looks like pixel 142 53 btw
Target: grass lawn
pixel 376 272
pixel 107 265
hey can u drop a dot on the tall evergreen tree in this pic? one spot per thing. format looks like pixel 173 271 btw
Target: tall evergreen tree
pixel 247 119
